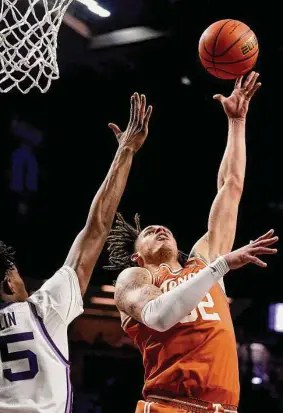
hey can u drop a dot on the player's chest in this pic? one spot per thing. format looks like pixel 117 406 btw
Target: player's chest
pixel 212 307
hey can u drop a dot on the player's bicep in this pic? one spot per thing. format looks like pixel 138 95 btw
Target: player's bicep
pixel 222 222
pixel 84 254
pixel 133 290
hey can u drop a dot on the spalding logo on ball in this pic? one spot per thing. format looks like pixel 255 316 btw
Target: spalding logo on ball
pixel 228 49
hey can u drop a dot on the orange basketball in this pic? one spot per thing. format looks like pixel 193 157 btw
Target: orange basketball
pixel 228 49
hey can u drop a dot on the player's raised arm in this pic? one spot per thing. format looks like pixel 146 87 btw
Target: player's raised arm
pixel 90 241
pixel 224 211
pixel 136 296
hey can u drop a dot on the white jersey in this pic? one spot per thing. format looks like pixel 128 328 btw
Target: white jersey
pixel 34 367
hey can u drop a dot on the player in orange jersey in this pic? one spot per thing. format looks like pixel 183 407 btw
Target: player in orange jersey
pixel 177 312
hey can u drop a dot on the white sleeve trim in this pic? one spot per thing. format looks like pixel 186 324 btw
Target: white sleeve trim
pixel 75 278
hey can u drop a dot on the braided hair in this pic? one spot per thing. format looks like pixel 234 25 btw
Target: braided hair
pixel 121 244
pixel 7 260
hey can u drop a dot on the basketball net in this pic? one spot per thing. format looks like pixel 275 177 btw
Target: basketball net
pixel 28 43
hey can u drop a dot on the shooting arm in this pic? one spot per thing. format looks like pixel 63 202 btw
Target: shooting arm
pixel 137 297
pixel 223 215
pixel 224 211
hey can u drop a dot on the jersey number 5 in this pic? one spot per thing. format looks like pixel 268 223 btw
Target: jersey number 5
pixel 8 356
pixel 201 308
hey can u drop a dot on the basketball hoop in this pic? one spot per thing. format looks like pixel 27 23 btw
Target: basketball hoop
pixel 28 42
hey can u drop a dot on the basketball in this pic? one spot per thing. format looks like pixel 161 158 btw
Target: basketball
pixel 228 49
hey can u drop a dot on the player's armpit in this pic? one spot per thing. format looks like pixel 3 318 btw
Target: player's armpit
pixel 222 220
pixel 133 290
pixel 200 249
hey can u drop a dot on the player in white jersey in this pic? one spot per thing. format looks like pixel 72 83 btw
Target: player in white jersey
pixel 34 367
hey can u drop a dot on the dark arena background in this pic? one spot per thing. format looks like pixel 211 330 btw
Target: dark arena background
pixel 56 149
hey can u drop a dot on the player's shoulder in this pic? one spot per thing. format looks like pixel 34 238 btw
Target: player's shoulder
pixel 196 259
pixel 67 271
pixel 133 273
pixel 11 306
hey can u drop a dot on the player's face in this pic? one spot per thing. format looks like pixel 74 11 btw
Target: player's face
pixel 156 242
pixel 17 286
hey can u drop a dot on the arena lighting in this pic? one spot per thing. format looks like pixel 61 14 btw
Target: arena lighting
pixel 276 317
pixel 102 300
pixel 256 380
pixel 108 288
pixel 102 313
pixel 94 7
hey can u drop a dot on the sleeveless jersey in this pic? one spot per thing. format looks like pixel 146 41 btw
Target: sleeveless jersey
pixel 197 357
pixel 34 367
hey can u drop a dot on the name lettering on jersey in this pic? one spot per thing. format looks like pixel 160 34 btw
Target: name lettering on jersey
pixel 170 284
pixel 7 320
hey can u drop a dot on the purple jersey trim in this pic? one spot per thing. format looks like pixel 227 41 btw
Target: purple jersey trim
pixel 4 305
pixel 46 335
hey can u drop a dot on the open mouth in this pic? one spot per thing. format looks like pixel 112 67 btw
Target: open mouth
pixel 161 237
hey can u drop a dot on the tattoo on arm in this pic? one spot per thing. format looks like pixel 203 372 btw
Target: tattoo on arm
pixel 133 292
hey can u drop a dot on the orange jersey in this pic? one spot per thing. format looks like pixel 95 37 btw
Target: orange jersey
pixel 196 358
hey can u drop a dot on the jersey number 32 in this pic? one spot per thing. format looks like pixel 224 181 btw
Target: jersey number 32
pixel 200 310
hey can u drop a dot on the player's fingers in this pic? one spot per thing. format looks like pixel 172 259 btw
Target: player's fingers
pixel 238 83
pixel 136 110
pixel 264 250
pixel 253 81
pixel 268 234
pixel 265 242
pixel 142 108
pixel 138 101
pixel 147 116
pixel 250 80
pixel 115 128
pixel 253 90
pixel 132 110
pixel 218 97
pixel 257 261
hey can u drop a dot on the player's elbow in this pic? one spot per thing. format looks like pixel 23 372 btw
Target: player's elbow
pixel 235 185
pixel 96 229
pixel 157 325
pixel 161 328
pixel 154 319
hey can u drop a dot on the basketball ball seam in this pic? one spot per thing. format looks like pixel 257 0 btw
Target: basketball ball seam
pixel 213 48
pixel 205 48
pixel 215 42
pixel 229 63
pixel 233 44
pixel 225 71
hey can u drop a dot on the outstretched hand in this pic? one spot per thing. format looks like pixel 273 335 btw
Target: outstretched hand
pixel 237 104
pixel 248 254
pixel 137 130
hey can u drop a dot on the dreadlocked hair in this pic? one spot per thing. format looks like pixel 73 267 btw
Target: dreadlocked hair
pixel 7 260
pixel 121 243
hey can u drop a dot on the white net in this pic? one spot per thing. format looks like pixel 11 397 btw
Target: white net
pixel 28 43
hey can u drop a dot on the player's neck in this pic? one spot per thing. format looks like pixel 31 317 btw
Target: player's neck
pixel 173 264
